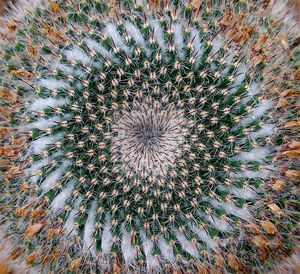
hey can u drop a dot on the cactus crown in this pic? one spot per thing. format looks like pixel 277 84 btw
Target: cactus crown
pixel 150 136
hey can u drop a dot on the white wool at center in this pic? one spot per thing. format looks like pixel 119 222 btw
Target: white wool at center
pixel 256 154
pixel 43 124
pixel 197 46
pixel 111 31
pixel 78 54
pixel 54 177
pixel 97 47
pixel 158 34
pixel 107 239
pixel 178 40
pixel 69 224
pixel 220 224
pixel 166 249
pixel 152 262
pixel 44 103
pixel 257 112
pixel 59 200
pixel 129 252
pixel 188 246
pixel 200 232
pixel 39 145
pixel 89 229
pixel 136 34
pixel 53 84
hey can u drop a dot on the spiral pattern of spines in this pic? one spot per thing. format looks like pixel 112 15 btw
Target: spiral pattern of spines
pixel 206 201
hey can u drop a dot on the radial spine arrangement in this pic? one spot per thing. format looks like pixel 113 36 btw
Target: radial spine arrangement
pixel 152 136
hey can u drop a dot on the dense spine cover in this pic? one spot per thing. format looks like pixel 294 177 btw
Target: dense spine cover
pixel 149 137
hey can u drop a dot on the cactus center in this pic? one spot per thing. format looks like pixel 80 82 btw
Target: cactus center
pixel 149 138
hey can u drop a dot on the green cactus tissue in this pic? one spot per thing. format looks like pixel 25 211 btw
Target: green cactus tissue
pixel 150 137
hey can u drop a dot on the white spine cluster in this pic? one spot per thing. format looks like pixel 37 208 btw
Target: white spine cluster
pixel 149 138
pixel 151 133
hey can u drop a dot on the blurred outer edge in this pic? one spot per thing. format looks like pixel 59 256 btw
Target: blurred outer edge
pixel 292 264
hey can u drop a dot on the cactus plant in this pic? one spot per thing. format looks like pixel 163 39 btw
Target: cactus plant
pixel 149 136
